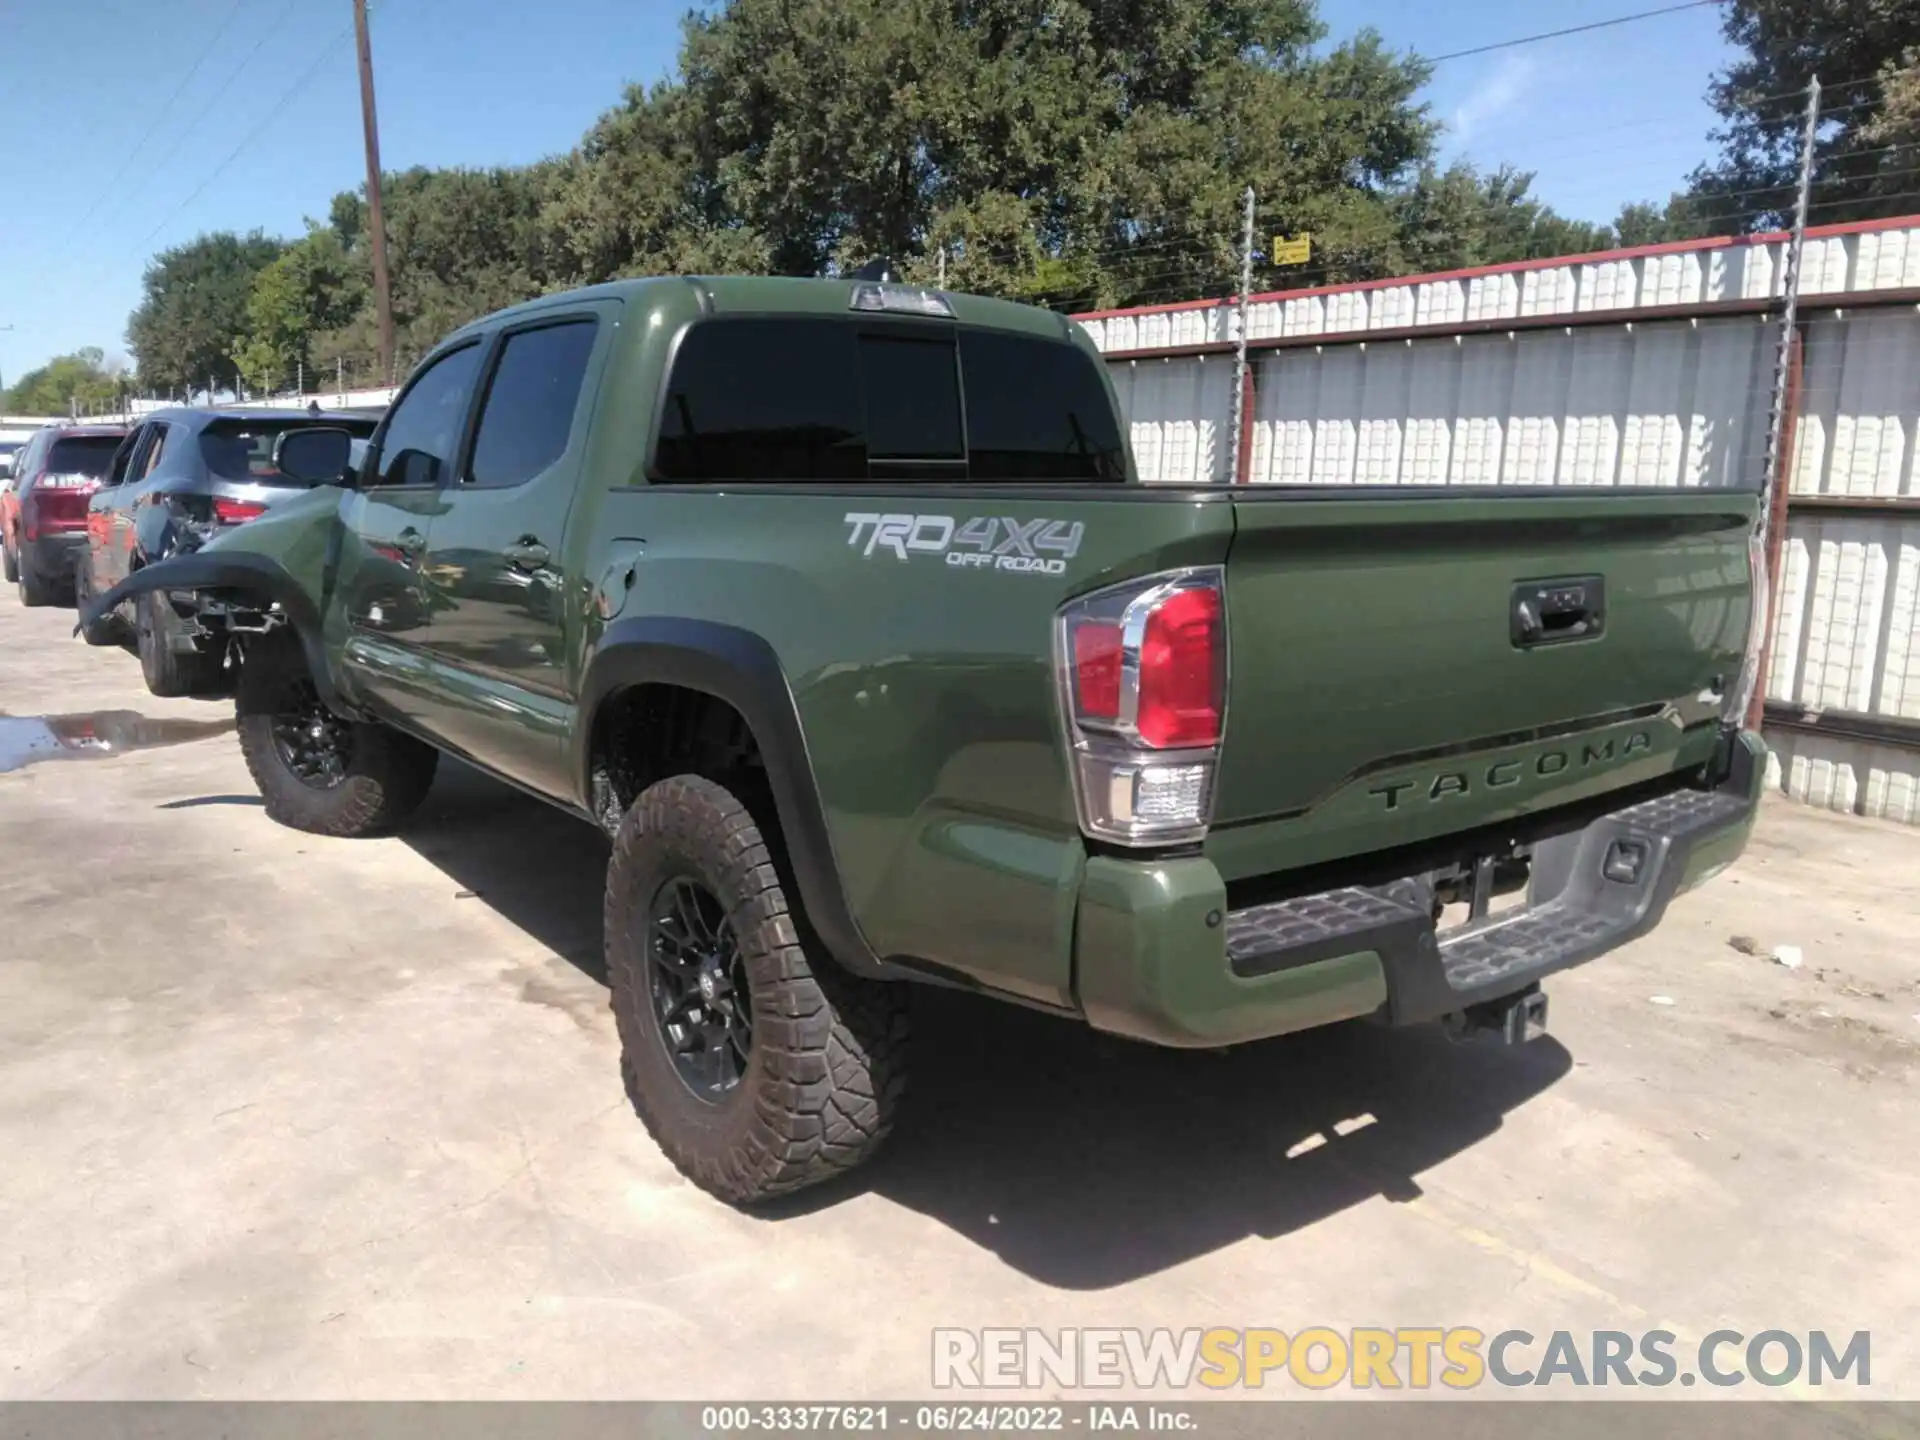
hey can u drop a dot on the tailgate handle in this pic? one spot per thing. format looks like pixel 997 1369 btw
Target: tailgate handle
pixel 1552 612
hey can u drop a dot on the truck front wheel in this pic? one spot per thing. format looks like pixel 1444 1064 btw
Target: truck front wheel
pixel 318 771
pixel 759 1066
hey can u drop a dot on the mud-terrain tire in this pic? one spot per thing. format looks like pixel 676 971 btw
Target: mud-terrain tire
pixel 354 778
pixel 824 1067
pixel 167 671
pixel 107 630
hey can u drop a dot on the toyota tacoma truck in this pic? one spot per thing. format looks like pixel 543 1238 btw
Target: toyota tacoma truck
pixel 839 606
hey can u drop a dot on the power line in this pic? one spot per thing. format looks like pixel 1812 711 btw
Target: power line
pixel 1570 30
pixel 287 97
pixel 112 187
pixel 286 14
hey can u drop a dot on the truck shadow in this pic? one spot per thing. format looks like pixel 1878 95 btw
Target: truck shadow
pixel 1080 1160
pixel 1086 1162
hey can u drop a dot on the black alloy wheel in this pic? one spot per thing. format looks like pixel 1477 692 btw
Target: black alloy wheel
pixel 697 980
pixel 313 743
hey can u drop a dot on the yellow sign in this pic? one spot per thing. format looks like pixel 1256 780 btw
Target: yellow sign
pixel 1295 251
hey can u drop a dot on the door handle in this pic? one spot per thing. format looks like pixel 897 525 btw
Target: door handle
pixel 526 553
pixel 410 542
pixel 1553 611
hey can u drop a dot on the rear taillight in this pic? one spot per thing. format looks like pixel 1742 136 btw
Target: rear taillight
pixel 85 484
pixel 1096 669
pixel 233 512
pixel 1143 682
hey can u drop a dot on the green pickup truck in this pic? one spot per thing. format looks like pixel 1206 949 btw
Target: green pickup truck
pixel 839 606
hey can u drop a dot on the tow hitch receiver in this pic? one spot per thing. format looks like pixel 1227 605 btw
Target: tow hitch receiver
pixel 1515 1019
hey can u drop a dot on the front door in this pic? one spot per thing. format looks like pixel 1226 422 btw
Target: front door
pixel 382 604
pixel 496 573
pixel 105 565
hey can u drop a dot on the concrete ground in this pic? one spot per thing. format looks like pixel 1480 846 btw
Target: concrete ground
pixel 282 1116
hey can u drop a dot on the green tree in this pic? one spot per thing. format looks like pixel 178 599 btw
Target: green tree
pixel 314 287
pixel 460 244
pixel 1866 54
pixel 81 378
pixel 1072 153
pixel 192 318
pixel 1462 217
pixel 1645 223
pixel 1069 151
pixel 632 200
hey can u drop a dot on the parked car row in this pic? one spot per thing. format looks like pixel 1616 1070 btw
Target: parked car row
pixel 91 504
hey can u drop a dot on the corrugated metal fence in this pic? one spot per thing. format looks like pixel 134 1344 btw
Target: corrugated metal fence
pixel 1649 367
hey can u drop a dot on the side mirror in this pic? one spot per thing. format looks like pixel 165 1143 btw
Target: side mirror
pixel 318 456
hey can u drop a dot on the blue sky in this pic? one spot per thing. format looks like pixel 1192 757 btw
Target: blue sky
pixel 103 172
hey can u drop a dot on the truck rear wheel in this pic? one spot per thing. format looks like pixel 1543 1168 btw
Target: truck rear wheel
pixel 758 1067
pixel 318 771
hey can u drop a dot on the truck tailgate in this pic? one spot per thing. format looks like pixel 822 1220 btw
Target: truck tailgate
pixel 1386 685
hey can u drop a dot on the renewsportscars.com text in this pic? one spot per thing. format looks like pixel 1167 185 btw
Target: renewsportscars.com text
pixel 1411 1358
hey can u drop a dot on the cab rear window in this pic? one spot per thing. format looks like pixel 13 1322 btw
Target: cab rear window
pixel 774 399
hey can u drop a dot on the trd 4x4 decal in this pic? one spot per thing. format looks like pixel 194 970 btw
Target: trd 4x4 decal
pixel 1035 547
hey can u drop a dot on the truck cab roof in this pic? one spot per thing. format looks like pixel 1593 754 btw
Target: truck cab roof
pixel 780 295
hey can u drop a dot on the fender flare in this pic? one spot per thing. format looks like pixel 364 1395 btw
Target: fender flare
pixel 250 573
pixel 741 668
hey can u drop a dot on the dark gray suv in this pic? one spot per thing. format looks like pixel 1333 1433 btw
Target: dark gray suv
pixel 179 478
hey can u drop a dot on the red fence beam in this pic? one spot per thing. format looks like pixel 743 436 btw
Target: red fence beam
pixel 1777 520
pixel 1243 469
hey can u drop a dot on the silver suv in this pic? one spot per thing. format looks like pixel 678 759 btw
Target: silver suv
pixel 178 479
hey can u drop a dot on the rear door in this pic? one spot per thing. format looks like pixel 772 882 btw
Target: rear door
pixel 495 572
pixel 102 513
pixel 380 609
pixel 136 494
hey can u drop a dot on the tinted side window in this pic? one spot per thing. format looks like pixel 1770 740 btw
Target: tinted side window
pixel 123 457
pixel 528 413
pixel 1037 410
pixel 424 429
pixel 29 460
pixel 155 448
pixel 763 400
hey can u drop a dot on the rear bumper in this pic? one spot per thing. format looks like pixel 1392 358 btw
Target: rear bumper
pixel 1161 957
pixel 53 553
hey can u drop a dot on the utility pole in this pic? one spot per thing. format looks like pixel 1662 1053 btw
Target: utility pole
pixel 1238 439
pixel 376 211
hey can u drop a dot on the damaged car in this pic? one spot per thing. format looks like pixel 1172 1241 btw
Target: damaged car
pixel 180 478
pixel 841 608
